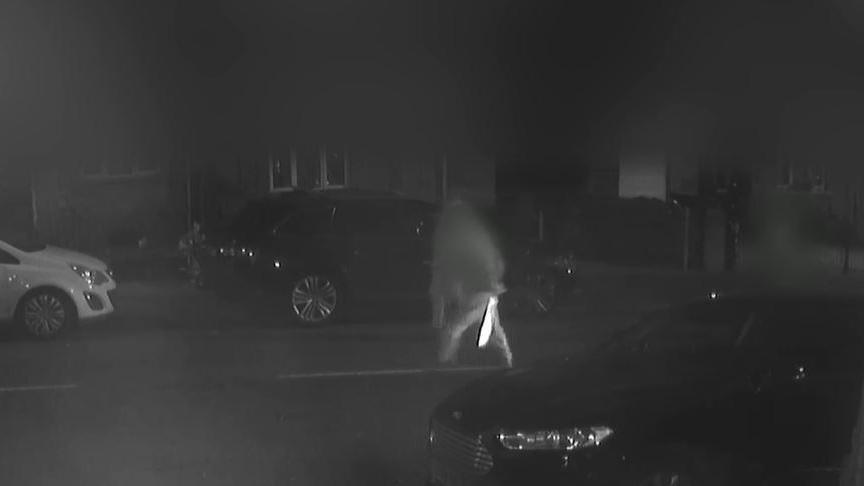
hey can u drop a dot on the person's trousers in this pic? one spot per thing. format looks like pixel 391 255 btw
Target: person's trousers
pixel 469 317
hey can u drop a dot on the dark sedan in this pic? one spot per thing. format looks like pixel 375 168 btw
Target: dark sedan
pixel 763 386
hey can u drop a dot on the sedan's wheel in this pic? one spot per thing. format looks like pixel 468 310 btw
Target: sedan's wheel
pixel 46 314
pixel 315 299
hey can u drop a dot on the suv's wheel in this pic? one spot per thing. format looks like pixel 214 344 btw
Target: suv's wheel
pixel 316 299
pixel 44 314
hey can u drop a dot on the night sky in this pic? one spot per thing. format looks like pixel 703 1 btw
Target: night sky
pixel 553 79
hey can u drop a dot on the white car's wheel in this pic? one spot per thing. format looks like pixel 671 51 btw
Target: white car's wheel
pixel 46 313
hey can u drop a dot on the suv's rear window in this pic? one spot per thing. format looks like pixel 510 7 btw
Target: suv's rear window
pixel 257 217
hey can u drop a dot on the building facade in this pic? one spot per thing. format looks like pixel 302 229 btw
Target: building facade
pixel 427 175
pixel 95 206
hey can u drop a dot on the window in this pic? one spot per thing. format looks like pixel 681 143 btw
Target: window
pixel 7 259
pixel 385 218
pixel 283 176
pixel 257 217
pixel 370 218
pixel 118 168
pixel 308 163
pixel 306 222
pixel 309 168
pixel 698 326
pixel 808 326
pixel 22 239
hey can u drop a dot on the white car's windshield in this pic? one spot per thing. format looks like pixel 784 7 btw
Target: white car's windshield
pixel 23 240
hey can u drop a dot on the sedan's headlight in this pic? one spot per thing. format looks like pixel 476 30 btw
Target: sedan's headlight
pixel 92 277
pixel 554 440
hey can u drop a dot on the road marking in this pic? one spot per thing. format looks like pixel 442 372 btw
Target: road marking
pixel 26 388
pixel 390 372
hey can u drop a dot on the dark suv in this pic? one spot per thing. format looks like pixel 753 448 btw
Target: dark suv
pixel 323 250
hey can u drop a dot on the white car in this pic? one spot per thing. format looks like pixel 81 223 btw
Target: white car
pixel 47 290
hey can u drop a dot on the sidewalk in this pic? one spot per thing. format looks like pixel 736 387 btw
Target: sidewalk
pixel 144 265
pixel 606 297
pixel 603 300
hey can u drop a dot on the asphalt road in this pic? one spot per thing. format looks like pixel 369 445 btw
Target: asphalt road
pixel 198 392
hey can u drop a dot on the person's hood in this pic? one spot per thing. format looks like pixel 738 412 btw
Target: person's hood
pixel 54 254
pixel 608 391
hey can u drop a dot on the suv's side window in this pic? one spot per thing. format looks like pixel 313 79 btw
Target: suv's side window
pixel 369 219
pixel 306 222
pixel 7 259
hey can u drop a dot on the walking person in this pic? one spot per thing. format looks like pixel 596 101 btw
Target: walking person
pixel 467 275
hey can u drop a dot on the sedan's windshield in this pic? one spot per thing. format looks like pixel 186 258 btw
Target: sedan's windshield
pixel 693 327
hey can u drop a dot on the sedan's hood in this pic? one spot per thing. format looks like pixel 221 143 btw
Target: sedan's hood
pixel 54 254
pixel 589 391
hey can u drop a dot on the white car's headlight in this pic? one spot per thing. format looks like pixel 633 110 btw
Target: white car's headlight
pixel 92 277
pixel 554 440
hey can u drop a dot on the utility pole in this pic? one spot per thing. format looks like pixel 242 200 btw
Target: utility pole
pixel 686 238
pixel 444 178
pixel 853 226
pixel 540 226
pixel 34 213
pixel 849 230
pixel 188 193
